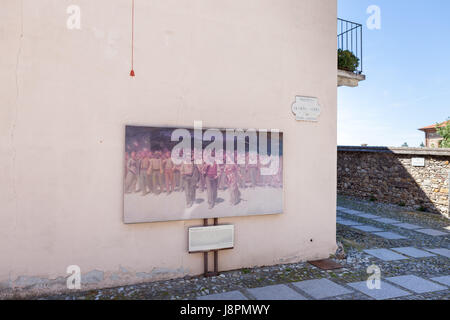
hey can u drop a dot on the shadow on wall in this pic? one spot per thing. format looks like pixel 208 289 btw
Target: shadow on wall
pixel 397 176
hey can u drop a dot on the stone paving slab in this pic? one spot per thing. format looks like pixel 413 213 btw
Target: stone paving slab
pixel 444 280
pixel 368 216
pixel 321 288
pixel 432 232
pixel 414 252
pixel 349 223
pixel 277 292
pixel 385 254
pixel 386 291
pixel 416 284
pixel 389 235
pixel 232 295
pixel 367 228
pixel 352 212
pixel 408 226
pixel 441 251
pixel 387 221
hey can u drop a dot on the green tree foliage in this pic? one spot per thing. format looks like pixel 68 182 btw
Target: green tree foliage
pixel 444 132
pixel 347 60
pixel 405 145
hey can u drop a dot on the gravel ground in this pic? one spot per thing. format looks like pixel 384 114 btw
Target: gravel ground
pixel 355 265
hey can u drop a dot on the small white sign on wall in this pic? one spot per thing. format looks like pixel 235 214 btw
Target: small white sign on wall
pixel 418 162
pixel 202 239
pixel 306 109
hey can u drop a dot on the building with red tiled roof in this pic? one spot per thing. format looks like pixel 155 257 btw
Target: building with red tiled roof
pixel 432 138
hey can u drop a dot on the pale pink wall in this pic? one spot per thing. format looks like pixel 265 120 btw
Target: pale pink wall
pixel 66 96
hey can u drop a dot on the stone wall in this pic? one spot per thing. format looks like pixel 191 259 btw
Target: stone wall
pixel 388 175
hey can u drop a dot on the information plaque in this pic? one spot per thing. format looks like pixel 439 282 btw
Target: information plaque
pixel 211 238
pixel 418 162
pixel 306 109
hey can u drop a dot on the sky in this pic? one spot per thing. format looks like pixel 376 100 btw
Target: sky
pixel 407 64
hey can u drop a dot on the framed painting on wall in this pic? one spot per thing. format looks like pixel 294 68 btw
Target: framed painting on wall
pixel 185 173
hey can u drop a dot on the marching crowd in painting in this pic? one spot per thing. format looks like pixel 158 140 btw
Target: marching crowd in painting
pixel 154 173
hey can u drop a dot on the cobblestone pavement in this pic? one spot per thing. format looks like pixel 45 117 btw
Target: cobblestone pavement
pixel 355 265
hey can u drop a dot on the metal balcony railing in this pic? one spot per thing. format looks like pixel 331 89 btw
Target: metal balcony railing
pixel 350 38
